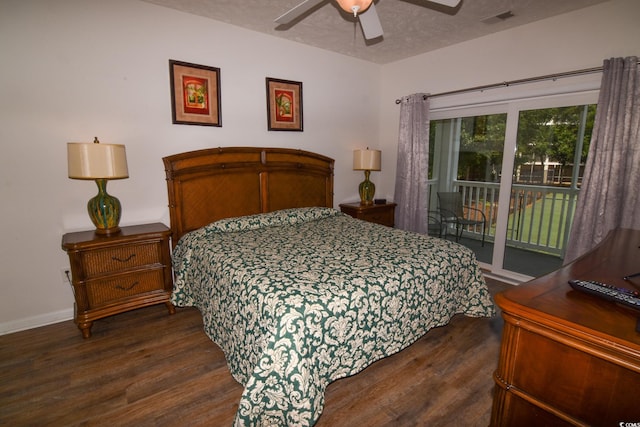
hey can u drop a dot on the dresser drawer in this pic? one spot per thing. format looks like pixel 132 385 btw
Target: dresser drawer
pixel 104 291
pixel 533 371
pixel 119 258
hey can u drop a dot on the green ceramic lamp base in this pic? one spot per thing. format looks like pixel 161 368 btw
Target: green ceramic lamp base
pixel 367 190
pixel 104 210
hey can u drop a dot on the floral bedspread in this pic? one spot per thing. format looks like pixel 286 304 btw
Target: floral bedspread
pixel 299 298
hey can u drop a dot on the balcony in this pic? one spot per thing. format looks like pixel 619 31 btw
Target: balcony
pixel 538 224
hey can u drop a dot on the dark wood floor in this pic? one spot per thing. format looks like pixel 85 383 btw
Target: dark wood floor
pixel 146 368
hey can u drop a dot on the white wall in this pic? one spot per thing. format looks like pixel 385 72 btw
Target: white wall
pixel 75 69
pixel 573 41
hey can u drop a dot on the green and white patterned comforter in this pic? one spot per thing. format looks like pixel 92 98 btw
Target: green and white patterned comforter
pixel 299 298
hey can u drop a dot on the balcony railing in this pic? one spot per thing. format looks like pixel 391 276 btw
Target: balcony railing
pixel 539 216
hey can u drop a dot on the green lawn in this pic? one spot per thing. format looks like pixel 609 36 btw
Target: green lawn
pixel 543 217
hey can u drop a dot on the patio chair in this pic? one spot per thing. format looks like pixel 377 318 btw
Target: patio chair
pixel 435 226
pixel 454 213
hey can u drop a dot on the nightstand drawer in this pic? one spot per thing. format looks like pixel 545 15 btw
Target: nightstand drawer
pixel 119 258
pixel 379 217
pixel 103 291
pixel 383 214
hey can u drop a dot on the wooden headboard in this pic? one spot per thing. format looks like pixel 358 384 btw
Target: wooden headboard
pixel 208 185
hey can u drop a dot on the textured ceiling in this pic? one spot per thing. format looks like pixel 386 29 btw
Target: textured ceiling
pixel 411 27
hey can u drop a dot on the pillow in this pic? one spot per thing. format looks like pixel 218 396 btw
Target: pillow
pixel 271 219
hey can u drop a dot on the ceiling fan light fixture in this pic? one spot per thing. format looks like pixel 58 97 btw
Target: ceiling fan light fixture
pixel 354 6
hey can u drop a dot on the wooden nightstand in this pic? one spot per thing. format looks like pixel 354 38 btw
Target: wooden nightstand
pixel 117 273
pixel 380 214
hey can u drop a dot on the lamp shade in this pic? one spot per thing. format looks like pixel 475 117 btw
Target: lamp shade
pixel 367 160
pixel 96 161
pixel 349 5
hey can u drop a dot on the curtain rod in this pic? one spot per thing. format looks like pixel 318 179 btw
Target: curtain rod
pixel 514 82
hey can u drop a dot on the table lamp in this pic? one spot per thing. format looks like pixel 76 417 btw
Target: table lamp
pixel 366 160
pixel 100 162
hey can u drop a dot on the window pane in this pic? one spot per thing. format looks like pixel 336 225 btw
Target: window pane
pixel 481 147
pixel 550 142
pixel 551 149
pixel 466 156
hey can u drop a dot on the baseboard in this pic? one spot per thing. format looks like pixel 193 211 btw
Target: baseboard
pixel 35 321
pixel 501 278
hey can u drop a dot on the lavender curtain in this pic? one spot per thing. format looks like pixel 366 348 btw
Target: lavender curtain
pixel 609 197
pixel 412 171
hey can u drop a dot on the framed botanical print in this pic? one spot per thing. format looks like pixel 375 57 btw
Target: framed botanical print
pixel 195 94
pixel 284 105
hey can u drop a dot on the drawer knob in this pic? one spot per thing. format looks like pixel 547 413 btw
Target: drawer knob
pixel 125 288
pixel 115 258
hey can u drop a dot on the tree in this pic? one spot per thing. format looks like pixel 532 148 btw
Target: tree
pixel 481 147
pixel 550 135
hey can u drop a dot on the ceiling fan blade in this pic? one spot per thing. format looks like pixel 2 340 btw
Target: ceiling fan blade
pixel 297 11
pixel 449 3
pixel 370 23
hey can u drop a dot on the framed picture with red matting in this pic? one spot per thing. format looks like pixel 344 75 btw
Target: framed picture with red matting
pixel 284 105
pixel 195 94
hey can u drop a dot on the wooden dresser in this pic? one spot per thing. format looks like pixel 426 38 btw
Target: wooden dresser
pixel 380 214
pixel 570 358
pixel 121 272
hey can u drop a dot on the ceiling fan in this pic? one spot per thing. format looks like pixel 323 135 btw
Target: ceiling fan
pixel 364 10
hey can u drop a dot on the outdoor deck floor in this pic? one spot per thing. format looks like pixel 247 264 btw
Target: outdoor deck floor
pixel 530 263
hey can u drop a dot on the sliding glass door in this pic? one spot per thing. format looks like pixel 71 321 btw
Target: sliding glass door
pixel 521 165
pixel 551 150
pixel 471 148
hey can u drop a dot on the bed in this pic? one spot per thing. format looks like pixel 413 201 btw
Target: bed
pixel 296 293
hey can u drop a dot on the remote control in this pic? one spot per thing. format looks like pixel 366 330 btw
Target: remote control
pixel 623 296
